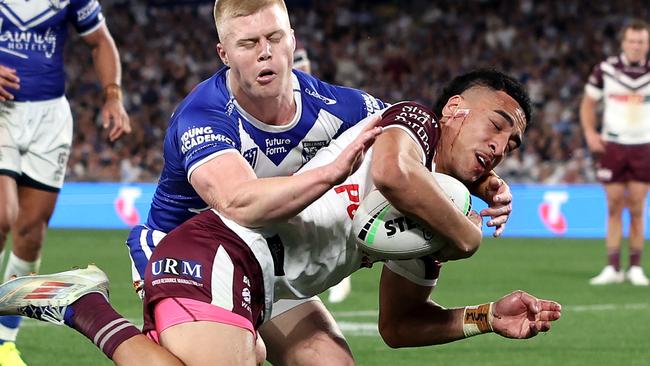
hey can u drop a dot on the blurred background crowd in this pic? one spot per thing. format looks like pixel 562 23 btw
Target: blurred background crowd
pixel 394 50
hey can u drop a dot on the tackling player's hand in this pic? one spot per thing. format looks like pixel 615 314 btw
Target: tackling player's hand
pixel 352 156
pixel 499 199
pixel 8 78
pixel 521 315
pixel 115 117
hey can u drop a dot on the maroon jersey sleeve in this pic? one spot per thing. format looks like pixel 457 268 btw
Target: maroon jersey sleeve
pixel 419 122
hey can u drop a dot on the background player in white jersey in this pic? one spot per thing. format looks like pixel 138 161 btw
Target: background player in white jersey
pixel 36 122
pixel 252 120
pixel 623 146
pixel 210 282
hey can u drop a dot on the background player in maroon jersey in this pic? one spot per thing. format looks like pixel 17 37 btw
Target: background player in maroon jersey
pixel 623 146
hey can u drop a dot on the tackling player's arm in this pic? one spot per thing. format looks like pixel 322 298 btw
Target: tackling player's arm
pixel 229 184
pixel 409 318
pixel 402 177
pixel 107 65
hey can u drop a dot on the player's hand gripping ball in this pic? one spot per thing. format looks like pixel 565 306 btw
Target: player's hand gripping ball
pixel 385 233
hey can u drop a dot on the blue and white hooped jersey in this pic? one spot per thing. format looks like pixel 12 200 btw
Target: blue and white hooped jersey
pixel 32 36
pixel 209 122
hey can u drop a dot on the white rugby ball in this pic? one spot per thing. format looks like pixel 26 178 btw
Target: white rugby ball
pixel 385 233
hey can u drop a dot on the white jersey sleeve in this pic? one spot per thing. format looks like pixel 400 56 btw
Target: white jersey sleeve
pixel 422 271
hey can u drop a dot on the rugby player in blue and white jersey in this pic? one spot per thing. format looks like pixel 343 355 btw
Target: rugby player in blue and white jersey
pixel 36 122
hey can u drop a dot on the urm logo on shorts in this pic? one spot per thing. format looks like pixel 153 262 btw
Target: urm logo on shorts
pixel 178 267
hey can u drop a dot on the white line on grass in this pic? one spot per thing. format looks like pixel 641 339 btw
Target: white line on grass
pixel 576 308
pixel 365 329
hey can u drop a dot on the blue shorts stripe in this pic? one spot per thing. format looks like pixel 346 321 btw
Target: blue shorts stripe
pixel 135 245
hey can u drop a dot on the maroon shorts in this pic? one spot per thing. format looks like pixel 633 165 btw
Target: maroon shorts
pixel 204 260
pixel 624 163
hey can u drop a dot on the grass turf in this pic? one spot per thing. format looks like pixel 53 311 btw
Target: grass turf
pixel 599 326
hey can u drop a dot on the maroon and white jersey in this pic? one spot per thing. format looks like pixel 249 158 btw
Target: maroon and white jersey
pixel 319 250
pixel 625 90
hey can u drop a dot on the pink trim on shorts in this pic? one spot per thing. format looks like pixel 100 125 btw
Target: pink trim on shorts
pixel 177 310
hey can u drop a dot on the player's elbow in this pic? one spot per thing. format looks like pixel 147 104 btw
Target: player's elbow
pixel 241 214
pixel 390 333
pixel 389 175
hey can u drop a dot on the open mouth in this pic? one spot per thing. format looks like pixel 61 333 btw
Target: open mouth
pixel 483 160
pixel 265 76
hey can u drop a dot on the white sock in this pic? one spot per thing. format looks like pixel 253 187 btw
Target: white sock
pixel 20 267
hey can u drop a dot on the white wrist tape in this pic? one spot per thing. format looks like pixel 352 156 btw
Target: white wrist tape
pixel 477 319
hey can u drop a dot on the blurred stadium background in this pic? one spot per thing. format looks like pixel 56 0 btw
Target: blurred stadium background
pixel 394 50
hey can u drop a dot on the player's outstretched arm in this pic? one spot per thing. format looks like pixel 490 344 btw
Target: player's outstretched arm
pixel 228 184
pixel 109 71
pixel 408 318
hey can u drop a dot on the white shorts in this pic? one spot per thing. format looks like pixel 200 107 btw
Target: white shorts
pixel 35 139
pixel 282 306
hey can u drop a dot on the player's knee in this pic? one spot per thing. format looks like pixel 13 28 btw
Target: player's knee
pixel 320 349
pixel 28 237
pixel 615 207
pixel 8 217
pixel 260 351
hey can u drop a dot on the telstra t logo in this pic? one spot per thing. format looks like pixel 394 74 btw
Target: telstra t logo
pixel 550 211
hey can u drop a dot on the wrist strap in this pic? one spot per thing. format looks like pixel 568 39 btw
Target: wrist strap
pixel 477 319
pixel 113 90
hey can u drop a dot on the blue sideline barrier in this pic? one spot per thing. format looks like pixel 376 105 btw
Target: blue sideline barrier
pixel 539 210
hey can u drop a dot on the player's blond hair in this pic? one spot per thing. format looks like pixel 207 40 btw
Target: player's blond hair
pixel 224 9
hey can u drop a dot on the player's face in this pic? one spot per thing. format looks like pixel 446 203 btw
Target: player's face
pixel 259 50
pixel 636 44
pixel 479 129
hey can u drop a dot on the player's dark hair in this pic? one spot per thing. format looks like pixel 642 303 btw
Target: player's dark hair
pixel 489 78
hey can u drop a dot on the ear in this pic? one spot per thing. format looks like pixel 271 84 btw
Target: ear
pixel 293 39
pixel 222 53
pixel 451 107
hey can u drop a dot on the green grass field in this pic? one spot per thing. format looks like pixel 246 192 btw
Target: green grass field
pixel 600 325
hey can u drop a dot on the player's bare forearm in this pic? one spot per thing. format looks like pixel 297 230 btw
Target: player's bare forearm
pixel 254 202
pixel 107 66
pixel 408 318
pixel 105 56
pixel 401 177
pixel 588 114
pixel 588 123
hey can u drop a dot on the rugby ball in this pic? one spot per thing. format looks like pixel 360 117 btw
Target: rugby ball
pixel 385 233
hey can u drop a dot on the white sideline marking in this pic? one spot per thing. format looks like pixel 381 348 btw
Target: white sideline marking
pixel 576 308
pixel 369 329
